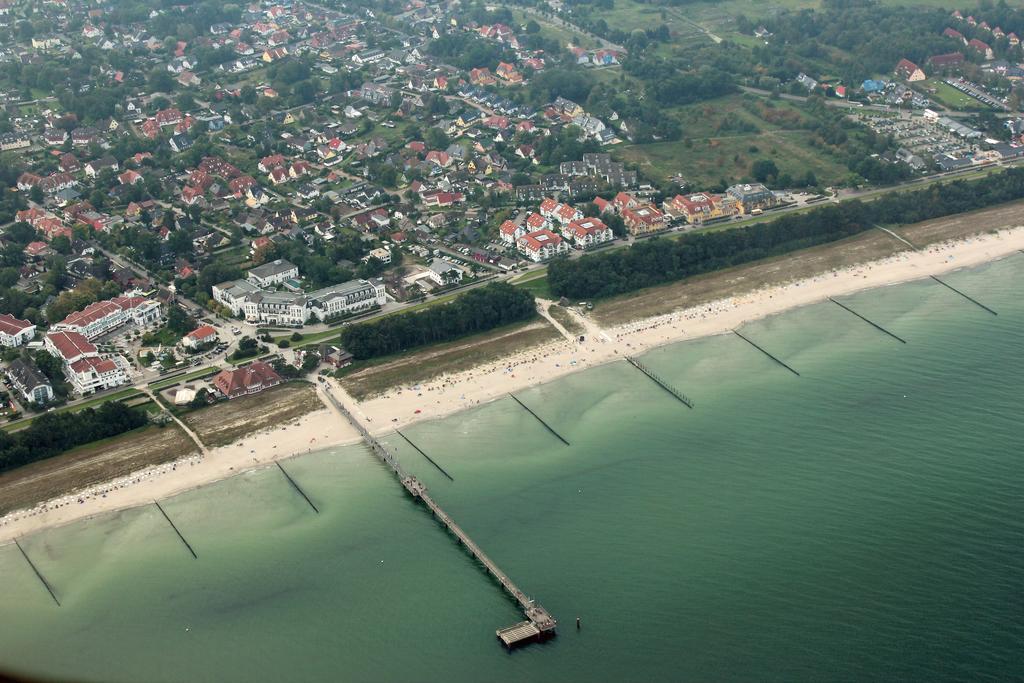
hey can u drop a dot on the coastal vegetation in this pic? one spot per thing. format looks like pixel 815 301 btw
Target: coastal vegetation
pixel 866 247
pixel 662 260
pixel 478 310
pixel 228 421
pixel 53 433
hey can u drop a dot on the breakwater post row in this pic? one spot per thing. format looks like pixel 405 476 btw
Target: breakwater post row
pixel 173 526
pixel 766 353
pixel 549 427
pixel 39 574
pixel 683 398
pixel 973 301
pixel 539 622
pixel 869 322
pixel 296 487
pixel 429 459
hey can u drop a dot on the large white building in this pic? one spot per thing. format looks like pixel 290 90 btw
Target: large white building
pixel 541 245
pixel 101 317
pixel 272 273
pixel 294 309
pixel 15 332
pixel 84 367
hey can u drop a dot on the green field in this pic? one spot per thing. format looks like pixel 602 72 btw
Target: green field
pixel 712 150
pixel 950 96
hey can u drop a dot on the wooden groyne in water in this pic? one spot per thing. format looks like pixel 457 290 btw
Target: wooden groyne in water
pixel 429 459
pixel 869 322
pixel 973 301
pixel 539 622
pixel 39 574
pixel 538 418
pixel 683 398
pixel 296 487
pixel 173 526
pixel 766 353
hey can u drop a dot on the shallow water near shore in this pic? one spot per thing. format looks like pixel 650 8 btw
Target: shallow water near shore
pixel 862 520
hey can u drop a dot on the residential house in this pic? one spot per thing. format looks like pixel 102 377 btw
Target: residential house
pixel 251 379
pixel 541 245
pixel 32 384
pixel 642 220
pixel 15 332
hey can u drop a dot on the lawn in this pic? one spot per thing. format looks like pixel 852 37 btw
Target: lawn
pixel 536 283
pixel 950 96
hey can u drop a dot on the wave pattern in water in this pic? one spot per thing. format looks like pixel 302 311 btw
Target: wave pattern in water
pixel 860 521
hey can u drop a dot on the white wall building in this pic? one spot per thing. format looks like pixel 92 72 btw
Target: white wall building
pixel 15 332
pixel 272 273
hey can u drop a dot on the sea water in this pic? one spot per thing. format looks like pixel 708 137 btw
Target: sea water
pixel 862 520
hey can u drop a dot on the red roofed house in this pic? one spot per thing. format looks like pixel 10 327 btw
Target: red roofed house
pixel 15 332
pixel 511 232
pixel 909 71
pixel 946 61
pixel 508 73
pixel 268 163
pixel 541 245
pixel 481 77
pixel 130 177
pixel 698 208
pixel 623 201
pixel 84 367
pixel 442 198
pixel 191 195
pixel 199 336
pixel 587 232
pixel 981 47
pixel 643 219
pixel 251 379
pixel 168 117
pixel 536 221
pixel 101 317
pixel 954 34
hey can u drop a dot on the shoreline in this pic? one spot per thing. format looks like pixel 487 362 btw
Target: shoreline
pixel 446 395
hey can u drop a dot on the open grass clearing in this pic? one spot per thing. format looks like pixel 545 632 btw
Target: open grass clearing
pixel 91 464
pixel 228 421
pixel 364 380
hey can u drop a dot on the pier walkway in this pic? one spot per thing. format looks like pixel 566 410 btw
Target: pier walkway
pixel 539 621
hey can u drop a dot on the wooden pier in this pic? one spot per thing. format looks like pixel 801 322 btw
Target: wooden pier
pixel 539 622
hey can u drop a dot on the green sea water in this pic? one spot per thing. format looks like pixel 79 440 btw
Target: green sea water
pixel 864 520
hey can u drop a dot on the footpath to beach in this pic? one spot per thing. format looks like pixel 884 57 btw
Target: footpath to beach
pixel 448 394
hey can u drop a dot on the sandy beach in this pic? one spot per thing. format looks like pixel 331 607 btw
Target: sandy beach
pixel 313 431
pixel 449 394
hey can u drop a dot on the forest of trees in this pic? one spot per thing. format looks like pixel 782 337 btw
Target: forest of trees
pixel 53 433
pixel 661 260
pixel 475 311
